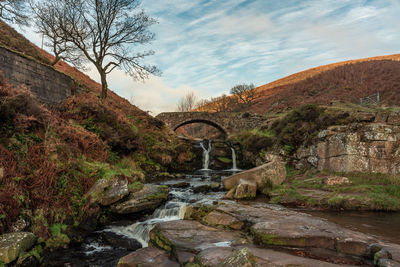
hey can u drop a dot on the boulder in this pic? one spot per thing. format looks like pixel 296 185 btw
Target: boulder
pixel 148 198
pixel 215 186
pixel 180 185
pixel 230 194
pixel 12 244
pixel 272 173
pixel 147 257
pixel 192 236
pixel 245 189
pixel 19 225
pixel 240 258
pixel 269 257
pixel 116 191
pixel 120 241
pixel 213 256
pixel 184 257
pixel 336 180
pixel 108 191
pixel 394 118
pixel 201 189
pixel 218 218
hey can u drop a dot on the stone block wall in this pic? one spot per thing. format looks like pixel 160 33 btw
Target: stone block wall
pixel 47 84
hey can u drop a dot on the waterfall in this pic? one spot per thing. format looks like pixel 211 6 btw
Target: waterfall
pixel 140 231
pixel 234 167
pixel 206 154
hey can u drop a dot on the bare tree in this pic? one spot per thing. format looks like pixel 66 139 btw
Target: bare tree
pixel 105 32
pixel 187 102
pixel 223 103
pixel 46 19
pixel 14 11
pixel 244 92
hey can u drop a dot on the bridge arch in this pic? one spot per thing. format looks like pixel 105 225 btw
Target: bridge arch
pixel 215 125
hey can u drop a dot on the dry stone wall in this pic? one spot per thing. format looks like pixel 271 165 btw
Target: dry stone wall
pixel 48 85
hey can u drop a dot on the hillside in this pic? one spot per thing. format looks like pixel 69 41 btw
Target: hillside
pixel 50 157
pixel 344 81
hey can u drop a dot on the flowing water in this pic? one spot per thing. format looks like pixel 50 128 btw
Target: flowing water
pixel 96 251
pixel 206 154
pixel 234 165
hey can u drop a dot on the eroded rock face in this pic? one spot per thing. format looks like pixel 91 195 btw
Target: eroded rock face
pixel 273 171
pixel 147 257
pixel 148 198
pixel 12 244
pixel 373 147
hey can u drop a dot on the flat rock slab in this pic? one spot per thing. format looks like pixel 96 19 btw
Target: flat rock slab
pixel 271 258
pixel 12 244
pixel 223 219
pixel 192 236
pixel 261 256
pixel 286 228
pixel 147 257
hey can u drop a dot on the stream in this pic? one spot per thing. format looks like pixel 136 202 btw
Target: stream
pixel 107 245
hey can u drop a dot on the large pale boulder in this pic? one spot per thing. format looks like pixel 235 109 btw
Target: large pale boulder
pixel 12 244
pixel 148 198
pixel 272 173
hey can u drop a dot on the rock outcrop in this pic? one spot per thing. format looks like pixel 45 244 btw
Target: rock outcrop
pixel 12 244
pixel 268 227
pixel 371 147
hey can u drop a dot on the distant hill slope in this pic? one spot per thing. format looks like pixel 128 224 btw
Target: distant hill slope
pixel 343 81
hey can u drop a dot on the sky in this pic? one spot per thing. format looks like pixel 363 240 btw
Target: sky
pixel 208 46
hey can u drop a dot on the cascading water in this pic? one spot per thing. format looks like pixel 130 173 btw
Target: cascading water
pixel 234 166
pixel 173 210
pixel 206 154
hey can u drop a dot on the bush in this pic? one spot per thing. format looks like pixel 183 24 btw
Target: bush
pixel 303 124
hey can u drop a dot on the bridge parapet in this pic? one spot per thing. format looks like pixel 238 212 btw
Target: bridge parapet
pixel 226 122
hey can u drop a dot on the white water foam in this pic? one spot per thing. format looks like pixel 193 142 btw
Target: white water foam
pixel 140 230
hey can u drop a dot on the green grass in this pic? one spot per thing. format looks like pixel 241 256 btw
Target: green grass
pixel 365 191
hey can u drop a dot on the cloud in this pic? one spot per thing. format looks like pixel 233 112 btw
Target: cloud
pixel 209 46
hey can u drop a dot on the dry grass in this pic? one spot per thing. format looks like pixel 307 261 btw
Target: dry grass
pixel 343 81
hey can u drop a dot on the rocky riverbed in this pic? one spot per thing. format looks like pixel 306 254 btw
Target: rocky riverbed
pixel 257 234
pixel 197 227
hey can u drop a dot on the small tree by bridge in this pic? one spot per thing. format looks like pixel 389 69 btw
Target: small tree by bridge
pixel 244 94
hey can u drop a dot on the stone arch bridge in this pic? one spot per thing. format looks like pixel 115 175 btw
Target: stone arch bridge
pixel 226 122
